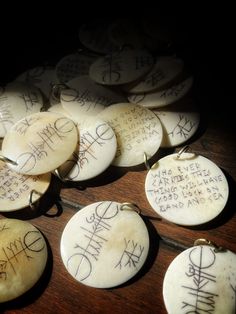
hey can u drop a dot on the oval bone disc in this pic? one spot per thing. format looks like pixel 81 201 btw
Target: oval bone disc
pixel 85 97
pixel 17 101
pixel 190 190
pixel 40 143
pixel 15 188
pixel 23 256
pixel 163 72
pixel 95 151
pixel 121 67
pixel 178 127
pixel 200 280
pixel 103 246
pixel 138 131
pixel 164 97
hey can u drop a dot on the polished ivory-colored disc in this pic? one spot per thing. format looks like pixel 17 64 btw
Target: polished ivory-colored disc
pixel 164 97
pixel 138 131
pixel 18 100
pixel 163 72
pixel 189 190
pixel 15 188
pixel 103 246
pixel 74 65
pixel 200 280
pixel 40 143
pixel 95 152
pixel 23 257
pixel 178 127
pixel 85 97
pixel 42 77
pixel 94 36
pixel 121 67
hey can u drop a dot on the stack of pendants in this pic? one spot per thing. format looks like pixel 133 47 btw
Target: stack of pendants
pixel 115 102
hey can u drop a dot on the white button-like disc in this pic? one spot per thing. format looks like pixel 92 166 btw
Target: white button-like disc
pixel 138 131
pixel 95 152
pixel 190 190
pixel 178 127
pixel 164 97
pixel 103 246
pixel 17 100
pixel 163 72
pixel 42 77
pixel 74 65
pixel 85 97
pixel 121 67
pixel 40 143
pixel 15 188
pixel 199 280
pixel 23 257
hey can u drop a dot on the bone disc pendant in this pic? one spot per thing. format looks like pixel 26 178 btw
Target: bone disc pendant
pixel 189 190
pixel 85 97
pixel 15 188
pixel 23 257
pixel 103 246
pixel 74 65
pixel 178 127
pixel 121 67
pixel 162 98
pixel 17 101
pixel 201 280
pixel 138 131
pixel 95 151
pixel 40 143
pixel 163 72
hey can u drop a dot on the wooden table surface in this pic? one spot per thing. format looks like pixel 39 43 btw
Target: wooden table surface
pixel 58 292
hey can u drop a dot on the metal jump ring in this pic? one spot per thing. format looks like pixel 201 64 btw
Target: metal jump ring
pixel 8 160
pixel 217 248
pixel 31 204
pixel 183 150
pixel 130 206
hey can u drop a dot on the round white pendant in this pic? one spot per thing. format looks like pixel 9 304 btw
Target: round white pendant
pixel 178 127
pixel 74 65
pixel 189 190
pixel 42 77
pixel 95 152
pixel 103 246
pixel 121 67
pixel 163 72
pixel 40 143
pixel 15 188
pixel 23 257
pixel 85 97
pixel 164 97
pixel 18 100
pixel 200 280
pixel 138 131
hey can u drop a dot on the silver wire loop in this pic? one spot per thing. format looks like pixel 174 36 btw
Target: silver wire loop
pixel 56 91
pixel 8 160
pixel 130 206
pixel 147 165
pixel 31 204
pixel 217 248
pixel 183 150
pixel 63 179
